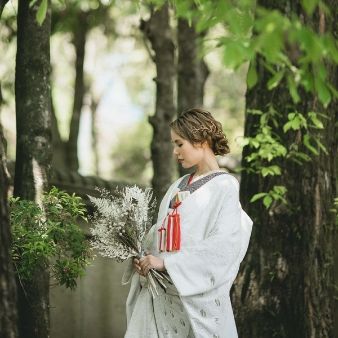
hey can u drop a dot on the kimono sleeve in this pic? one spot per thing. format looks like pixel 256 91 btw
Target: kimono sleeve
pixel 214 260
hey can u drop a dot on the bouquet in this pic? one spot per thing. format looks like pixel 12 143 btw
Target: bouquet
pixel 120 224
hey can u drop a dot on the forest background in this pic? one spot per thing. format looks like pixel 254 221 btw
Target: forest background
pixel 88 89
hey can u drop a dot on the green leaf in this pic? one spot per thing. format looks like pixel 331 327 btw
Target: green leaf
pixel 258 196
pixel 267 200
pixel 236 52
pixel 309 6
pixel 323 92
pixel 317 123
pixel 306 141
pixel 280 189
pixel 287 126
pixel 293 89
pixel 275 80
pixel 42 11
pixel 272 170
pixel 252 75
pixel 254 112
pixel 321 146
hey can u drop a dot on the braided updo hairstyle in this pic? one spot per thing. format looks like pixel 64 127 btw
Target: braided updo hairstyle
pixel 197 126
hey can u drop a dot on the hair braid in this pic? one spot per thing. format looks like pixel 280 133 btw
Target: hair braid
pixel 197 126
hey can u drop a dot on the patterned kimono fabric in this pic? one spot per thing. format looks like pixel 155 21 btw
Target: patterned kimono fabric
pixel 167 305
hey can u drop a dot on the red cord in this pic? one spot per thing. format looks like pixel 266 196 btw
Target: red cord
pixel 190 178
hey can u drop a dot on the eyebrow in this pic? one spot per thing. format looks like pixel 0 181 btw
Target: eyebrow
pixel 176 141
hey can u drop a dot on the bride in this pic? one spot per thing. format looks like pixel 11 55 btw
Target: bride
pixel 200 238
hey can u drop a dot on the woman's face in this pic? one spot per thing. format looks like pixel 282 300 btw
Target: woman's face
pixel 185 152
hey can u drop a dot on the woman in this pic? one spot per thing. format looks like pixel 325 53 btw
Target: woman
pixel 203 253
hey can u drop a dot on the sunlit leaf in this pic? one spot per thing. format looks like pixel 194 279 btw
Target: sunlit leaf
pixel 42 11
pixel 252 75
pixel 258 196
pixel 275 80
pixel 293 89
pixel 323 92
pixel 267 200
pixel 314 119
pixel 308 145
pixel 309 5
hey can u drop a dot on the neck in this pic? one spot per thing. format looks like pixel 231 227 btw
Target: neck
pixel 204 168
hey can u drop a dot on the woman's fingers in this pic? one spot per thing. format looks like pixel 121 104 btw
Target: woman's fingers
pixel 145 264
pixel 136 264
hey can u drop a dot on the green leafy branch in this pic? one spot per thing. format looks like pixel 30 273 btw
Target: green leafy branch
pixel 49 237
pixel 277 193
pixel 267 146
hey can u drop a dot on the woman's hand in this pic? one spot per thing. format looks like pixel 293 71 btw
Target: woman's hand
pixel 148 262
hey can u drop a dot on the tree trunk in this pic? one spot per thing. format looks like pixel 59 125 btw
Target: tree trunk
pixel 158 31
pixel 79 41
pixel 285 286
pixel 8 311
pixel 33 154
pixel 94 133
pixel 192 71
pixel 59 160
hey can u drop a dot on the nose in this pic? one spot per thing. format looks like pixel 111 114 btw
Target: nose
pixel 175 152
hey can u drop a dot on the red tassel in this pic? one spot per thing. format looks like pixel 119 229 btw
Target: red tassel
pixel 169 234
pixel 170 231
pixel 176 231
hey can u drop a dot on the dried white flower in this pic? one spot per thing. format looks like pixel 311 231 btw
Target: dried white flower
pixel 121 221
pixel 120 224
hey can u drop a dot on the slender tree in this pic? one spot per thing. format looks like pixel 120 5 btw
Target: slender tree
pixel 33 154
pixel 8 309
pixel 78 22
pixel 8 312
pixel 192 71
pixel 286 285
pixel 158 31
pixel 59 160
pixel 8 306
pixel 79 41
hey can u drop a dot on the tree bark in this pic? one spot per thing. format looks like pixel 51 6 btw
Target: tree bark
pixel 8 307
pixel 8 310
pixel 157 30
pixel 285 286
pixel 94 133
pixel 33 154
pixel 192 71
pixel 79 41
pixel 59 160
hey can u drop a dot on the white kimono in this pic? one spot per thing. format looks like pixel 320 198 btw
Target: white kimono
pixel 215 233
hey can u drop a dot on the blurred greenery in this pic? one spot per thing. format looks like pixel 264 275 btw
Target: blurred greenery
pixel 131 155
pixel 116 55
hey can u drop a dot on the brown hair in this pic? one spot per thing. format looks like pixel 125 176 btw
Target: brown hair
pixel 197 126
